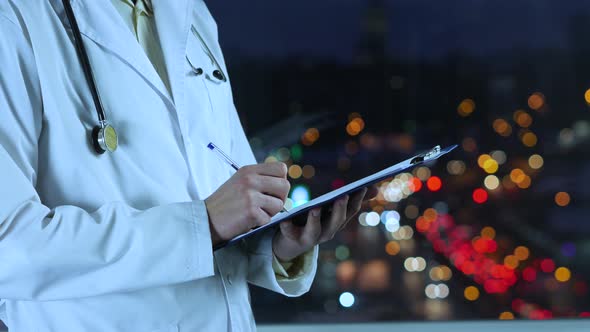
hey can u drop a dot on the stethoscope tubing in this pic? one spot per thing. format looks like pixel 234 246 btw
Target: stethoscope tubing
pixel 85 61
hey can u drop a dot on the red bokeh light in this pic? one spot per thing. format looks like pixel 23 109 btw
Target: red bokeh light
pixel 517 305
pixel 415 184
pixel 422 225
pixel 480 196
pixel 480 245
pixel 529 274
pixel 547 265
pixel 434 183
pixel 540 314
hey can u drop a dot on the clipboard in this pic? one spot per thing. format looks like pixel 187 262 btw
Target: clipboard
pixel 324 199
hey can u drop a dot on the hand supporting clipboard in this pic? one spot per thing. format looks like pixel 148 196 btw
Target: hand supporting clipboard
pixel 398 168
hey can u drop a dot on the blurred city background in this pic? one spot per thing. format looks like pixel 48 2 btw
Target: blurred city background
pixel 500 228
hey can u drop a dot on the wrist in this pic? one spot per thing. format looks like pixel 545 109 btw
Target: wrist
pixel 284 249
pixel 215 238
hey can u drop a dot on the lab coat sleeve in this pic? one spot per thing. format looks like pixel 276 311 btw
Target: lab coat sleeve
pixel 260 256
pixel 66 252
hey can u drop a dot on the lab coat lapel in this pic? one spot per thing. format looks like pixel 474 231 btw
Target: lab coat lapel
pixel 173 24
pixel 99 21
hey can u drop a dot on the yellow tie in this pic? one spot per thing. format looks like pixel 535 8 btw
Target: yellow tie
pixel 142 22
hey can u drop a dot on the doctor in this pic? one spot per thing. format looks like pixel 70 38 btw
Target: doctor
pixel 122 241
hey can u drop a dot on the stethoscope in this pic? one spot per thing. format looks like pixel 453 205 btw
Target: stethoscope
pixel 104 137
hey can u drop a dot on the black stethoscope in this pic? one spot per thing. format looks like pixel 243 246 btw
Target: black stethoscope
pixel 104 136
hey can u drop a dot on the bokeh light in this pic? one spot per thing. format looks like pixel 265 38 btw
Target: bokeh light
pixel 529 139
pixel 346 299
pixel 482 159
pixel 310 136
pixel 529 274
pixel 434 183
pixel 456 167
pixel 502 127
pixel 491 182
pixel 522 118
pixel 295 171
pixel 522 253
pixel 271 159
pixel 563 274
pixel 355 125
pixel 488 232
pixel 547 265
pixel 536 101
pixel 499 156
pixel 372 219
pixel 511 262
pixel 535 161
pixel 562 198
pixel 423 173
pixel 466 107
pixel 517 175
pixel 480 196
pixel 300 195
pixel 411 211
pixel 490 166
pixel 392 248
pixel 415 264
pixel 308 171
pixel 471 293
pixel 439 291
pixel 342 252
pixel 506 315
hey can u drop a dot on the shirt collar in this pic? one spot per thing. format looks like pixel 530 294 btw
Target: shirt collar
pixel 145 6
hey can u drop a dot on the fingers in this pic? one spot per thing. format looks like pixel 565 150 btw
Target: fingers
pixel 257 217
pixel 273 186
pixel 336 220
pixel 253 184
pixel 372 192
pixel 276 169
pixel 354 206
pixel 313 228
pixel 269 204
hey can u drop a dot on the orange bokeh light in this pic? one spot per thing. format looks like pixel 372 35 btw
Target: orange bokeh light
pixel 466 107
pixel 562 198
pixel 536 101
pixel 392 248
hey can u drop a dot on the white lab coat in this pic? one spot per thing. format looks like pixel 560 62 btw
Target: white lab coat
pixel 118 242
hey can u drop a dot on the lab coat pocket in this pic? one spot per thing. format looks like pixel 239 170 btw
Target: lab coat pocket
pixel 208 92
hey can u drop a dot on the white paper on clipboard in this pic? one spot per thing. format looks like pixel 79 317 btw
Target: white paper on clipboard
pixel 398 168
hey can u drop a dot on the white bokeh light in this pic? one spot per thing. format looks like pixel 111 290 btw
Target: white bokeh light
pixel 346 299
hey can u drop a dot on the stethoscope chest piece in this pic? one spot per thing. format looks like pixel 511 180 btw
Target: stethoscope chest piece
pixel 104 138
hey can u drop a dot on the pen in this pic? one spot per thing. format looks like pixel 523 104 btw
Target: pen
pixel 228 160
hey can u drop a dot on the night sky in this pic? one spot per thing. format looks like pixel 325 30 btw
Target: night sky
pixel 417 28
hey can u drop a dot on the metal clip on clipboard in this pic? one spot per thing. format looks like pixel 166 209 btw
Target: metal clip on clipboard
pixel 432 154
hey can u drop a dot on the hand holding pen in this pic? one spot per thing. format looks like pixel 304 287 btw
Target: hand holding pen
pixel 247 200
pixel 230 161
